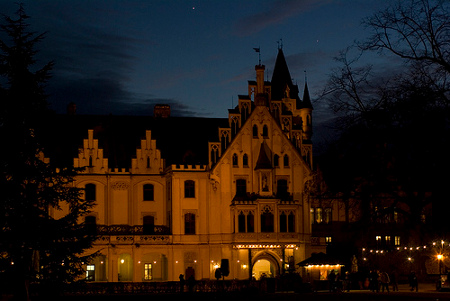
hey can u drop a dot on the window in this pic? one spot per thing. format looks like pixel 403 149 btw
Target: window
pixel 397 240
pixel 90 222
pixel 283 222
pixel 282 189
pixel 148 271
pixel 291 222
pixel 189 223
pixel 245 160
pixel 89 192
pixel 265 132
pixel 241 222
pixel 327 217
pixel 255 131
pixel 235 160
pixel 90 272
pixel 148 162
pixel 328 239
pixel 319 216
pixel 267 221
pixel 189 189
pixel 148 191
pixel 313 215
pixel 149 225
pixel 250 222
pixel 387 239
pixel 276 160
pixel 241 187
pixel 286 161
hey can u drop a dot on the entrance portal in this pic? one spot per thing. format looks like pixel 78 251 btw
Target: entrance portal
pixel 263 268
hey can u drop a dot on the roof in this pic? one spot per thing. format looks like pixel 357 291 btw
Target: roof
pixel 319 259
pixel 181 140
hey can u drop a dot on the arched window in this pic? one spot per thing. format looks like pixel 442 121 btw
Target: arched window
pixel 245 160
pixel 265 132
pixel 90 192
pixel 241 187
pixel 148 192
pixel 286 161
pixel 250 222
pixel 283 222
pixel 235 160
pixel 255 131
pixel 189 189
pixel 291 222
pixel 149 225
pixel 189 223
pixel 241 222
pixel 276 160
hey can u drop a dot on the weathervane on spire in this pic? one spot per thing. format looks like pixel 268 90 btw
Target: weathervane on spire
pixel 280 44
pixel 259 54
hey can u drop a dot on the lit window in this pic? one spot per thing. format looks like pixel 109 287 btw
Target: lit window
pixel 328 239
pixel 397 240
pixel 387 239
pixel 148 271
pixel 319 216
pixel 377 238
pixel 90 272
pixel 327 216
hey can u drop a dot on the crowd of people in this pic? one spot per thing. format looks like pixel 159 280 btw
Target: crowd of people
pixel 375 281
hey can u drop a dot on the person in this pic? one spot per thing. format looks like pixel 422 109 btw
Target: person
pixel 181 283
pixel 384 278
pixel 394 280
pixel 331 280
pixel 413 283
pixel 347 282
pixel 191 283
pixel 374 284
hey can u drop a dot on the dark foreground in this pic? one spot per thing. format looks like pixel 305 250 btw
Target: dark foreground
pixel 365 296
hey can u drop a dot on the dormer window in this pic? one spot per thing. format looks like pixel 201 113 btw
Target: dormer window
pixel 255 131
pixel 265 132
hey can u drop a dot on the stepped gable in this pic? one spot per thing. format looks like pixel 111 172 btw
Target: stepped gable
pixel 181 140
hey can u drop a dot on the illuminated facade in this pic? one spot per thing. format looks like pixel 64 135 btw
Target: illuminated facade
pixel 243 207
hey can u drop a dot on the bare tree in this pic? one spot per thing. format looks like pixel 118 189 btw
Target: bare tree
pixel 415 30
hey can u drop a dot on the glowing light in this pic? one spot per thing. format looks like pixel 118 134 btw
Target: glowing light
pixel 440 256
pixel 122 261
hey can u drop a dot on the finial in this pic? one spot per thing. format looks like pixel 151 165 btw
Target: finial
pixel 280 44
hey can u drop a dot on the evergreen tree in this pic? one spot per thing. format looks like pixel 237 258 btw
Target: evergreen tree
pixel 43 237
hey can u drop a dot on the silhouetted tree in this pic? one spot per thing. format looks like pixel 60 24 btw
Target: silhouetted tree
pixel 36 246
pixel 391 154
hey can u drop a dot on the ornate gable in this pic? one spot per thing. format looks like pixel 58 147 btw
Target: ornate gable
pixel 91 156
pixel 148 157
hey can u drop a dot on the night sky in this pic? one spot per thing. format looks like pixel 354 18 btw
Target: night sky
pixel 122 57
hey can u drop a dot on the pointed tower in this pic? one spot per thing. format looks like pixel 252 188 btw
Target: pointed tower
pixel 306 114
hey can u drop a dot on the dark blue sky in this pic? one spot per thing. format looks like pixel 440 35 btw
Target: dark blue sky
pixel 122 57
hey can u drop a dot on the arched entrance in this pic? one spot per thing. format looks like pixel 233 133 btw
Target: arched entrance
pixel 265 265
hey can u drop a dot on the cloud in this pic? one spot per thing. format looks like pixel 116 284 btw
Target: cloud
pixel 278 12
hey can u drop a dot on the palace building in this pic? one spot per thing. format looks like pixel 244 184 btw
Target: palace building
pixel 185 195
